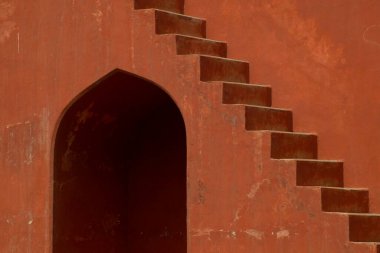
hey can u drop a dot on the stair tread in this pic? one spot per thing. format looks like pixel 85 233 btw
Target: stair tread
pixel 312 160
pixel 268 108
pixel 178 14
pixel 370 243
pixel 243 84
pixel 344 188
pixel 289 133
pixel 376 245
pixel 198 38
pixel 375 215
pixel 224 59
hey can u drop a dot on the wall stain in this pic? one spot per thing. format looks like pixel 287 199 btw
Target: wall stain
pixel 255 188
pixel 7 27
pixel 201 192
pixel 371 35
pixel 320 47
pixel 6 30
pixel 19 145
pixel 99 14
pixel 212 234
pixel 7 9
pixel 282 234
pixel 255 233
pixel 203 232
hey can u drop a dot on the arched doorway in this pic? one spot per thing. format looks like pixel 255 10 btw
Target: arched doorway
pixel 120 171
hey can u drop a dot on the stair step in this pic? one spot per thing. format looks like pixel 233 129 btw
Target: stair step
pixel 222 69
pixel 285 145
pixel 167 5
pixel 364 227
pixel 193 45
pixel 345 200
pixel 267 118
pixel 239 93
pixel 173 23
pixel 319 173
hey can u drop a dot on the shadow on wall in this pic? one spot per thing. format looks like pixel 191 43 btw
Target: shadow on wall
pixel 120 171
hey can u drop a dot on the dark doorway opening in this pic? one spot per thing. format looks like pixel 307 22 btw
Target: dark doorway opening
pixel 120 171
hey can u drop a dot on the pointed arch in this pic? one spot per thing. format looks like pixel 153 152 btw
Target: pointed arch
pixel 120 170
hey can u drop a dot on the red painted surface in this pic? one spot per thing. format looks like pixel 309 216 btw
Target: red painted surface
pixel 322 60
pixel 320 57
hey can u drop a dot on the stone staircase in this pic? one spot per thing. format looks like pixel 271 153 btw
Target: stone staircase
pixel 233 76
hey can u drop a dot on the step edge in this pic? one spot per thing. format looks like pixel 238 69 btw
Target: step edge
pixel 344 213
pixel 345 188
pixel 365 214
pixel 321 160
pixel 224 59
pixel 286 133
pixel 268 107
pixel 244 84
pixel 367 243
pixel 312 160
pixel 375 244
pixel 197 38
pixel 176 13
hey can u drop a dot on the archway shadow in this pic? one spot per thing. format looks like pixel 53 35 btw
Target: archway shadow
pixel 120 171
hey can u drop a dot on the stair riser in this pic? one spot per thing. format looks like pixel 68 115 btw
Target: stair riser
pixel 244 94
pixel 169 23
pixel 258 118
pixel 292 146
pixel 219 69
pixel 348 201
pixel 329 174
pixel 364 228
pixel 186 45
pixel 168 5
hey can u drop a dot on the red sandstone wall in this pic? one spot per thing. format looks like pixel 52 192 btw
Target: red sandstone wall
pixel 49 52
pixel 320 57
pixel 323 60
